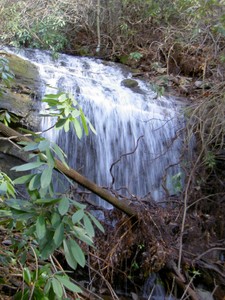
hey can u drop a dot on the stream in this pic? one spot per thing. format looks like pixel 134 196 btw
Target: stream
pixel 137 132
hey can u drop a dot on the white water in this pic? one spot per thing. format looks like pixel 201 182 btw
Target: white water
pixel 120 116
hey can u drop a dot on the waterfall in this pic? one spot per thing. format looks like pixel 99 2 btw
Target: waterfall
pixel 124 119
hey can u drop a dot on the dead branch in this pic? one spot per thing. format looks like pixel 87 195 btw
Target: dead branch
pixel 122 155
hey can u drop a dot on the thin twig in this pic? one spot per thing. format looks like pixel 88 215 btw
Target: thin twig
pixel 123 155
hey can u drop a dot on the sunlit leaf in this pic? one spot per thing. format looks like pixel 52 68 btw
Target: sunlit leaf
pixel 67 125
pixel 91 127
pixel 62 97
pixel 77 128
pixel 84 122
pixel 75 113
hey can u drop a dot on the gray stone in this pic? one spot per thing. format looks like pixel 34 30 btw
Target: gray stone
pixel 129 83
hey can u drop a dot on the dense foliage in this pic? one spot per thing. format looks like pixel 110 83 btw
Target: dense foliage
pixel 42 222
pixel 159 31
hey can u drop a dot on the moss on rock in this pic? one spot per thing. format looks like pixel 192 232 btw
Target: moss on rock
pixel 22 97
pixel 129 83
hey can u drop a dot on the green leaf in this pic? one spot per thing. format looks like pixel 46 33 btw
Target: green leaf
pixel 62 97
pixel 91 127
pixel 19 215
pixel 67 111
pixel 55 219
pixel 68 255
pixel 19 204
pixel 51 96
pixel 84 122
pixel 78 205
pixel 23 179
pixel 77 216
pixel 88 226
pixel 5 213
pixel 59 152
pixel 47 201
pixel 65 280
pixel 3 187
pixel 96 222
pixel 10 189
pixel 47 287
pixel 28 166
pixel 67 125
pixel 81 234
pixel 75 113
pixel 27 275
pixel 31 146
pixel 57 288
pixel 64 205
pixel 59 235
pixel 77 128
pixel 43 192
pixel 44 145
pixel 60 123
pixel 48 247
pixel 50 158
pixel 40 227
pixel 46 177
pixel 35 182
pixel 77 252
pixel 8 118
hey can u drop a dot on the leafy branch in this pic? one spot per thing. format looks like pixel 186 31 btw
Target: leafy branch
pixel 46 222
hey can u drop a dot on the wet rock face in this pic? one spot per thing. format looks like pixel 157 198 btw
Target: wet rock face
pixel 22 97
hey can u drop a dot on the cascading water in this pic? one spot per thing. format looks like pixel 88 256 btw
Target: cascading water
pixel 126 121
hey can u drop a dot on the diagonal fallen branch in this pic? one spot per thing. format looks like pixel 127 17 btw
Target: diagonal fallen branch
pixel 75 176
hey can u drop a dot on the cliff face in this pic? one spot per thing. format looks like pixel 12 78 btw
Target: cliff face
pixel 21 101
pixel 24 93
